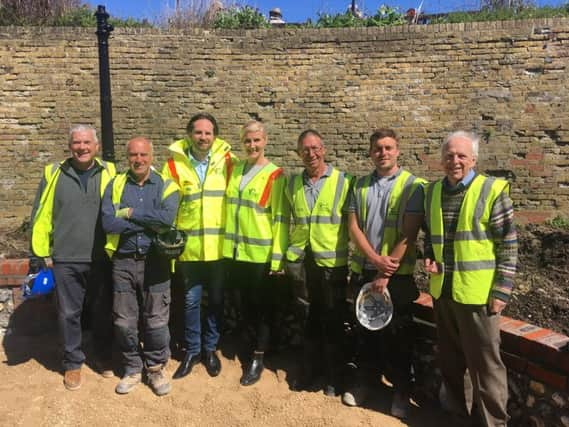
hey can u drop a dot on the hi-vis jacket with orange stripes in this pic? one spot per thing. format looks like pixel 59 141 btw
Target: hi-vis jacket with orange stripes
pixel 202 207
pixel 256 228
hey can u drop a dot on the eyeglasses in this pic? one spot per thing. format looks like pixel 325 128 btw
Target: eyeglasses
pixel 307 150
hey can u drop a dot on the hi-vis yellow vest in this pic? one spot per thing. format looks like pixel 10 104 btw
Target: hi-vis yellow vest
pixel 325 228
pixel 201 213
pixel 474 255
pixel 118 185
pixel 43 221
pixel 256 228
pixel 404 186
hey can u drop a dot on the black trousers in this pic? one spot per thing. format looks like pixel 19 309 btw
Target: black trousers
pixel 83 290
pixel 252 282
pixel 319 294
pixel 390 349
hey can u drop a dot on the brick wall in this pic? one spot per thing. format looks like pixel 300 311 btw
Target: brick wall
pixel 507 80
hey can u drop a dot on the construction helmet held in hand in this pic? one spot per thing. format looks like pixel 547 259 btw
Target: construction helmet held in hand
pixel 170 244
pixel 373 310
pixel 41 283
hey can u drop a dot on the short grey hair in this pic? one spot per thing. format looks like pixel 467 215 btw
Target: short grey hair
pixel 82 128
pixel 472 137
pixel 140 138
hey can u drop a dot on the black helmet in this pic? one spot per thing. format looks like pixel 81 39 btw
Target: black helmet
pixel 171 243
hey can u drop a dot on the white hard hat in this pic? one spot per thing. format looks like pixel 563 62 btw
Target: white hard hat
pixel 373 310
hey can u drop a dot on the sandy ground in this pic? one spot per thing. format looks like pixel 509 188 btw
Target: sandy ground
pixel 32 393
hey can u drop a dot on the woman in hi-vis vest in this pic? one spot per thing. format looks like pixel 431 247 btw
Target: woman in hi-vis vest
pixel 256 234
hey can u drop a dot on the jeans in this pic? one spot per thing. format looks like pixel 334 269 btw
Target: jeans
pixel 141 288
pixel 83 289
pixel 198 276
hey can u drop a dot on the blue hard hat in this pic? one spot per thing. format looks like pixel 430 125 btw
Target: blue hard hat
pixel 41 283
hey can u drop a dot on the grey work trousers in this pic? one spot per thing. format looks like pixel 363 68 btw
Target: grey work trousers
pixel 83 292
pixel 469 338
pixel 141 291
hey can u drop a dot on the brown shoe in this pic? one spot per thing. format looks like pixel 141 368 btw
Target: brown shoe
pixel 157 380
pixel 72 379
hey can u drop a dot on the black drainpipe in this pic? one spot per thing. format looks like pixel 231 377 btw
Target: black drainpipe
pixel 104 30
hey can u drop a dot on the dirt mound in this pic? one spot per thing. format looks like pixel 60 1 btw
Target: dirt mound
pixel 541 294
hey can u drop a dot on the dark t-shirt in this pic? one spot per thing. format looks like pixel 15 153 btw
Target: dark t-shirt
pixel 84 176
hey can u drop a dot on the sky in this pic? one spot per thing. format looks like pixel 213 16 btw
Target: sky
pixel 292 10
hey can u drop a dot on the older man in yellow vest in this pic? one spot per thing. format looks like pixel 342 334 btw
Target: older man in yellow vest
pixel 471 256
pixel 66 227
pixel 317 258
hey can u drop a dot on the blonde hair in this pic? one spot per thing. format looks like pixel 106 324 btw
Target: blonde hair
pixel 252 126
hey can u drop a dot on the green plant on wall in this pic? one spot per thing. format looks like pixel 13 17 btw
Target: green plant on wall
pixel 340 20
pixel 385 15
pixel 244 17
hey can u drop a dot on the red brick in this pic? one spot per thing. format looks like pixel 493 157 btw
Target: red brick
pixel 547 376
pixel 424 313
pixel 14 266
pixel 514 362
pixel 424 299
pixel 510 342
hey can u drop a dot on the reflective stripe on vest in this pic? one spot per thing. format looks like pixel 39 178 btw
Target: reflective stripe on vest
pixel 43 220
pixel 404 186
pixel 324 228
pixel 474 257
pixel 254 230
pixel 118 184
pixel 201 213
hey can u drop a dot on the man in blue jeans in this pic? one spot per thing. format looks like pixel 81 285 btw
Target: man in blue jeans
pixel 201 164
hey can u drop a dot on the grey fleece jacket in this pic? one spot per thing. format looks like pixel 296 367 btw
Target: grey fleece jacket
pixel 77 233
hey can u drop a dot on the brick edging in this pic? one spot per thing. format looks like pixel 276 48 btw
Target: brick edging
pixel 526 348
pixel 13 271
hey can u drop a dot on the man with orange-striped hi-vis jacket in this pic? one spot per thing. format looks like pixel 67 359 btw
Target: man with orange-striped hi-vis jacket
pixel 201 165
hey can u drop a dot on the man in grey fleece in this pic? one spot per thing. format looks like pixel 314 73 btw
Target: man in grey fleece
pixel 66 226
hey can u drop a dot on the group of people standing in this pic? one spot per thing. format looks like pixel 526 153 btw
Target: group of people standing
pixel 247 220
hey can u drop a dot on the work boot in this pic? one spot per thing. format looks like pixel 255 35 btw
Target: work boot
pixel 157 380
pixel 254 370
pixel 72 379
pixel 127 383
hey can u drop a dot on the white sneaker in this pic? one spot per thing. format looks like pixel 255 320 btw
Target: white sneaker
pixel 354 396
pixel 400 405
